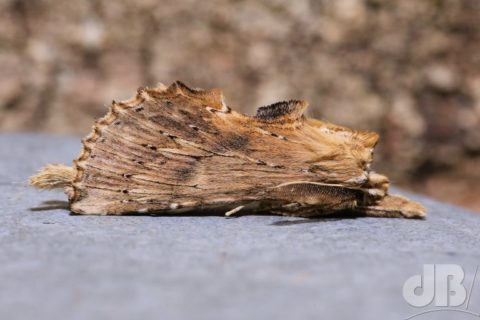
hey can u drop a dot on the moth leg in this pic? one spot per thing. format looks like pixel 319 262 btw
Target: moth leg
pixel 233 211
pixel 309 211
pixel 394 206
pixel 307 199
pixel 377 180
pixel 376 187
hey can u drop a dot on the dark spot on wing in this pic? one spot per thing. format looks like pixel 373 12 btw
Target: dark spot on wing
pixel 184 173
pixel 235 141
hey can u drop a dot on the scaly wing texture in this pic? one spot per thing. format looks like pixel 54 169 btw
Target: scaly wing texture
pixel 176 149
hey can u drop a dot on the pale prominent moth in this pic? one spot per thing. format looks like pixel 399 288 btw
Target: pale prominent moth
pixel 177 150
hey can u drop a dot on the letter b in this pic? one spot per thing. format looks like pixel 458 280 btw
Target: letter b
pixel 448 280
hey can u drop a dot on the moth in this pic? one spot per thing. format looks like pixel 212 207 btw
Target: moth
pixel 174 149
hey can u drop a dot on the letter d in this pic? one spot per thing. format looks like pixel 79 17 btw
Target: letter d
pixel 425 282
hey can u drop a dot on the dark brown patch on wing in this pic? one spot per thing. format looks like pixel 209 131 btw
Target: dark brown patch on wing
pixel 235 141
pixel 183 174
pixel 285 110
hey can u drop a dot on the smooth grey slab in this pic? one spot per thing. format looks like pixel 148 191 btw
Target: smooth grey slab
pixel 57 266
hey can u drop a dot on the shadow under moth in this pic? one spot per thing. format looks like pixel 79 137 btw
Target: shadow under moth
pixel 177 150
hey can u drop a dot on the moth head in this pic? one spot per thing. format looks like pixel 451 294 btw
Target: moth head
pixel 321 148
pixel 334 162
pixel 341 150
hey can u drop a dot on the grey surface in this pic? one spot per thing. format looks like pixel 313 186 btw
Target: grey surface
pixel 57 266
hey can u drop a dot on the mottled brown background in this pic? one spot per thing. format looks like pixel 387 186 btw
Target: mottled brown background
pixel 408 69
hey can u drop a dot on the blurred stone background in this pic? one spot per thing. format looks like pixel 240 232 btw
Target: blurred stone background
pixel 408 69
